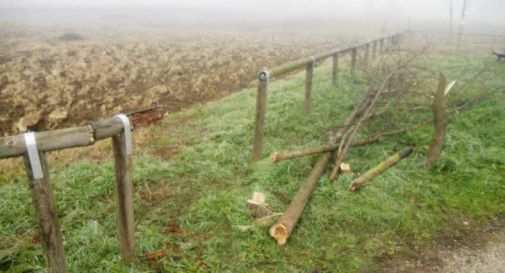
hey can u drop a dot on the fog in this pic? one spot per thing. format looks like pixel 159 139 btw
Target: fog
pixel 258 12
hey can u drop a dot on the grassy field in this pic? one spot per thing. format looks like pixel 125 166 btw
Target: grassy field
pixel 192 178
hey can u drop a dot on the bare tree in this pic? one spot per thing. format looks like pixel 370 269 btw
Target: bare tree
pixel 466 5
pixel 451 15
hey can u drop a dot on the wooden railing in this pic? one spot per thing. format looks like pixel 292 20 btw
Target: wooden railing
pixel 265 75
pixel 33 146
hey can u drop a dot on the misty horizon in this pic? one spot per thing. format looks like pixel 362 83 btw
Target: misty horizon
pixel 177 12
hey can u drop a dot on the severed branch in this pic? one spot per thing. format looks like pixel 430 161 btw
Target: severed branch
pixel 285 225
pixel 280 156
pixel 348 138
pixel 377 170
pixel 440 123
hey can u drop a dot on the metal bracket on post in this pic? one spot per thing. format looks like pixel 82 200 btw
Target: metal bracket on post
pixel 33 155
pixel 127 132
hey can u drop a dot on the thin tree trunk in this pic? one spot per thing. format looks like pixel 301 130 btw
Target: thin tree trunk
pixel 440 123
pixel 285 225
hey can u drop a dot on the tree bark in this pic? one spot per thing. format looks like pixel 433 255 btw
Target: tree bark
pixel 377 170
pixel 47 214
pixel 440 123
pixel 285 225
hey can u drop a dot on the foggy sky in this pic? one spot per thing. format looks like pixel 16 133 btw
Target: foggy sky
pixel 479 10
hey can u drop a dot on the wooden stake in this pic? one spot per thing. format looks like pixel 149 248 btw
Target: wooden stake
pixel 377 170
pixel 367 53
pixel 374 50
pixel 334 78
pixel 308 86
pixel 285 225
pixel 124 191
pixel 353 60
pixel 260 115
pixel 440 123
pixel 47 214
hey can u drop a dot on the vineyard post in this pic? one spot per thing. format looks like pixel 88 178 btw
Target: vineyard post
pixel 124 190
pixel 263 79
pixel 335 70
pixel 353 60
pixel 45 206
pixel 308 84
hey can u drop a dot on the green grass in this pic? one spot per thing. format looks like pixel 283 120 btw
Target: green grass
pixel 404 209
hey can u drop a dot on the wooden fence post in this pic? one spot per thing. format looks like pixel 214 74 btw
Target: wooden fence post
pixel 353 60
pixel 124 192
pixel 381 46
pixel 47 214
pixel 367 53
pixel 374 50
pixel 334 74
pixel 308 85
pixel 261 102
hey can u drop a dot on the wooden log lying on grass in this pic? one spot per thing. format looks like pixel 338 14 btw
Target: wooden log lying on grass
pixel 377 170
pixel 285 225
pixel 440 123
pixel 281 156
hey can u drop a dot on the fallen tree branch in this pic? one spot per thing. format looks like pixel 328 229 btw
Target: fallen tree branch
pixel 348 138
pixel 285 225
pixel 281 156
pixel 377 170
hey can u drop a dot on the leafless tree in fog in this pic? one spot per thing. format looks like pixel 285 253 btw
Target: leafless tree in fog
pixel 451 15
pixel 466 5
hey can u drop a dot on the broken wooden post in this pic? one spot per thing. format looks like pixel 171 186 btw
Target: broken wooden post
pixel 45 206
pixel 367 53
pixel 334 73
pixel 121 144
pixel 353 60
pixel 440 122
pixel 261 102
pixel 377 170
pixel 308 85
pixel 285 225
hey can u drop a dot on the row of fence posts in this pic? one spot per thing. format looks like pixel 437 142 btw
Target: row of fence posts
pixel 33 146
pixel 265 75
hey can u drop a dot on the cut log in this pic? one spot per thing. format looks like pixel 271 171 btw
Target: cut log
pixel 280 156
pixel 440 123
pixel 284 227
pixel 377 170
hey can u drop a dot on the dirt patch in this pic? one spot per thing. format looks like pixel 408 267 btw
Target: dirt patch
pixel 474 249
pixel 67 84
